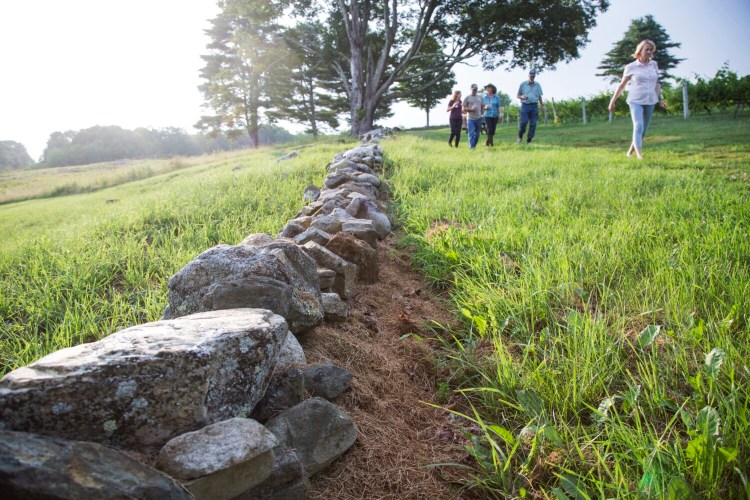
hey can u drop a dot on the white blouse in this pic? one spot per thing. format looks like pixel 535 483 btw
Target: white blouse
pixel 643 80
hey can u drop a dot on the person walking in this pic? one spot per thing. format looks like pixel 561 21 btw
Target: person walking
pixel 530 95
pixel 474 105
pixel 455 108
pixel 493 110
pixel 644 93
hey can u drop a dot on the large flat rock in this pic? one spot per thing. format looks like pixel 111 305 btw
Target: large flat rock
pixel 142 386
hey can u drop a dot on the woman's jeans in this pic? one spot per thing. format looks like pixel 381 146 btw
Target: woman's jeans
pixel 455 129
pixel 475 128
pixel 641 114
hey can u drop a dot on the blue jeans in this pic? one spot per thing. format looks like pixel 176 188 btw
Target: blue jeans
pixel 641 114
pixel 475 128
pixel 529 115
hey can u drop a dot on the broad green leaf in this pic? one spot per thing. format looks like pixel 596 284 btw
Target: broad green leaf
pixel 504 434
pixel 648 335
pixel 679 489
pixel 708 422
pixel 532 405
pixel 714 360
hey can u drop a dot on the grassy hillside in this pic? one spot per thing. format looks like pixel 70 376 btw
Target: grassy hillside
pixel 78 267
pixel 606 302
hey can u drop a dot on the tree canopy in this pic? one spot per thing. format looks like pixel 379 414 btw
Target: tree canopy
pixel 372 47
pixel 644 28
pixel 13 155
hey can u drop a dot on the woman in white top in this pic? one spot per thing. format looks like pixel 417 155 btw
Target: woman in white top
pixel 644 93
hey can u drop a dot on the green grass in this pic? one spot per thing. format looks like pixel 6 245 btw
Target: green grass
pixel 76 268
pixel 593 287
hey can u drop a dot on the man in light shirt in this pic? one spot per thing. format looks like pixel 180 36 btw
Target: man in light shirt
pixel 474 105
pixel 530 95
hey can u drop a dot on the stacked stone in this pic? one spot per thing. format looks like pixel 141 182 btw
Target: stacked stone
pixel 216 388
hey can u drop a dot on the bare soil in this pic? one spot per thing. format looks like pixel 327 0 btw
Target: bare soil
pixel 401 437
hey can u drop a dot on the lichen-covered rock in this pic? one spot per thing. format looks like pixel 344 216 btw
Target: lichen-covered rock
pixel 217 447
pixel 327 380
pixel 278 276
pixel 222 460
pixel 142 386
pixel 36 467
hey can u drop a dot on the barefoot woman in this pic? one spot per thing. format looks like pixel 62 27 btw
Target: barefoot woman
pixel 644 93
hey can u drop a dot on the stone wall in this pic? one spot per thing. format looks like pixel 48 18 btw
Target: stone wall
pixel 209 401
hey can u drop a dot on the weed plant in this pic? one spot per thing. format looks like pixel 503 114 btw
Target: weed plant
pixel 606 303
pixel 76 268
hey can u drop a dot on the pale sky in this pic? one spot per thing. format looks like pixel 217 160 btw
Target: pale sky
pixel 70 65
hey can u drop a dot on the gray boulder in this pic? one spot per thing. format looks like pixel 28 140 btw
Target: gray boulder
pixel 326 380
pixel 362 229
pixel 346 272
pixel 286 389
pixel 291 354
pixel 221 460
pixel 288 480
pixel 318 430
pixel 38 467
pixel 354 250
pixel 335 308
pixel 366 209
pixel 142 386
pixel 278 276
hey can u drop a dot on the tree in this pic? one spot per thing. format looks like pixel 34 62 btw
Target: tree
pixel 13 155
pixel 239 72
pixel 622 53
pixel 430 97
pixel 308 93
pixel 369 44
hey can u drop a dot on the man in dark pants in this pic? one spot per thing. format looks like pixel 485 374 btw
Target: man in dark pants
pixel 530 94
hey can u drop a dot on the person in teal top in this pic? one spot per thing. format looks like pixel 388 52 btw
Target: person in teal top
pixel 493 110
pixel 530 95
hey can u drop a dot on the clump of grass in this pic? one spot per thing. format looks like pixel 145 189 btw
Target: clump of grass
pixel 594 290
pixel 78 268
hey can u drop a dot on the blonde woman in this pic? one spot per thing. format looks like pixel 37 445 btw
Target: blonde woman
pixel 455 108
pixel 644 93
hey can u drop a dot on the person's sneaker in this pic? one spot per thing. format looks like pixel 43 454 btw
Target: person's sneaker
pixel 518 141
pixel 528 141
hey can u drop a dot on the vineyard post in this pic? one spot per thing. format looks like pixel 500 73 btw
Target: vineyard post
pixel 545 116
pixel 554 113
pixel 685 98
pixel 583 107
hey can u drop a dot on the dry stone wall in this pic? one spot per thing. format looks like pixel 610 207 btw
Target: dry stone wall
pixel 215 391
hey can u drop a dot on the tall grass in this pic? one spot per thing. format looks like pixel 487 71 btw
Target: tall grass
pixel 606 303
pixel 76 268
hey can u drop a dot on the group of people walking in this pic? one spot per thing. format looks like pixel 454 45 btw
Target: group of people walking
pixel 488 110
pixel 474 110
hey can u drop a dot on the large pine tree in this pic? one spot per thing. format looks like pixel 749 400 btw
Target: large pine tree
pixel 622 53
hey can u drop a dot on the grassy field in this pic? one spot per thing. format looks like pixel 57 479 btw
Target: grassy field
pixel 75 268
pixel 606 303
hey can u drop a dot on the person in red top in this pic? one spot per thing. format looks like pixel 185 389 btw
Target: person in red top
pixel 455 108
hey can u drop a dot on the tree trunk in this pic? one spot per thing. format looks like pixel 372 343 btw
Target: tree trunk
pixel 428 118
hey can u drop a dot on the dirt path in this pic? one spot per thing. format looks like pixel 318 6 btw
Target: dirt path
pixel 393 378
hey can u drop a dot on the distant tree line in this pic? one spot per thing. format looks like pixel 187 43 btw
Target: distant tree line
pixel 13 155
pixel 99 144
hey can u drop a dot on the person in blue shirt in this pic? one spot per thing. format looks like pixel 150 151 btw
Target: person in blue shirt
pixel 493 110
pixel 530 95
